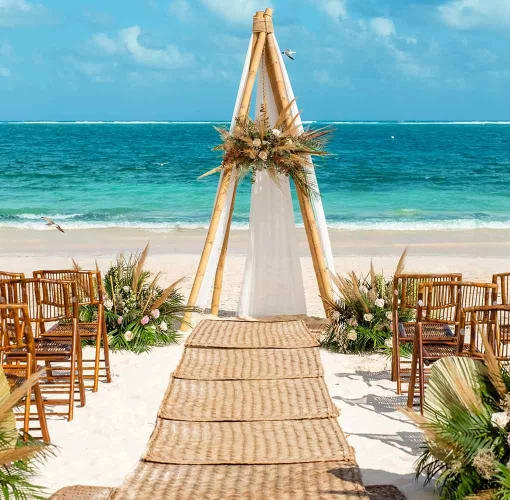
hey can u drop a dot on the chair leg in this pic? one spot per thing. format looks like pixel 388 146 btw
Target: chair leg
pixel 79 367
pixel 41 413
pixel 421 368
pixel 96 363
pixel 72 376
pixel 412 379
pixel 106 350
pixel 397 369
pixel 26 415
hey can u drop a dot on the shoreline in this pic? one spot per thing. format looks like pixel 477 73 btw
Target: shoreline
pixel 109 241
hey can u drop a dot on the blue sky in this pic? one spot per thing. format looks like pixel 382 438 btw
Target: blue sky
pixel 182 59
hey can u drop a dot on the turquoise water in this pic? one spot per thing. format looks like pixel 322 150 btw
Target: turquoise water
pixel 429 175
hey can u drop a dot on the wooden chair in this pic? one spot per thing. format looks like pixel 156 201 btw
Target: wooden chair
pixel 90 295
pixel 440 305
pixel 493 324
pixel 503 282
pixel 405 300
pixel 51 302
pixel 16 333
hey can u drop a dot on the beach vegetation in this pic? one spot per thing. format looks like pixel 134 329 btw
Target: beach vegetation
pixel 466 417
pixel 361 320
pixel 19 454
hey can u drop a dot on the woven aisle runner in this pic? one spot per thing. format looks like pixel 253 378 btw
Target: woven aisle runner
pixel 247 416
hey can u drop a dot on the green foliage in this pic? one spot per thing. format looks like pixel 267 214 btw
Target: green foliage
pixel 466 426
pixel 362 320
pixel 140 314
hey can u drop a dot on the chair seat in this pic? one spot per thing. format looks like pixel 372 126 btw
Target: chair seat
pixel 65 330
pixel 44 349
pixel 432 352
pixel 430 331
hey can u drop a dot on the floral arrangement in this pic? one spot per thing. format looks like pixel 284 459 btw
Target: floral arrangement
pixel 362 320
pixel 255 146
pixel 140 314
pixel 466 427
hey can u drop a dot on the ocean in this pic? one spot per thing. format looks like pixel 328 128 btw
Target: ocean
pixel 380 175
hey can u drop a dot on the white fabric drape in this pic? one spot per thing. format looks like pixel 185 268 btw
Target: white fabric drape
pixel 316 202
pixel 205 293
pixel 272 282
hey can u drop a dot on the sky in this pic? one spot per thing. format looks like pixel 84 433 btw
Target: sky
pixel 182 59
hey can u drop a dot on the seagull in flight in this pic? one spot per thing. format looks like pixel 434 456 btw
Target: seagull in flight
pixel 52 223
pixel 289 53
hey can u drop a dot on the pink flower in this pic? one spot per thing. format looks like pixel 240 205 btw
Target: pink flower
pixel 144 320
pixel 155 313
pixel 120 319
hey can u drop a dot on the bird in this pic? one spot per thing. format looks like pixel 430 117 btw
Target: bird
pixel 52 223
pixel 289 53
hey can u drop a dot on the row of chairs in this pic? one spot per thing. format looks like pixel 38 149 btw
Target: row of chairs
pixel 450 317
pixel 43 322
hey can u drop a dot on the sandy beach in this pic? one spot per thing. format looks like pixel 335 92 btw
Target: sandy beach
pixel 108 436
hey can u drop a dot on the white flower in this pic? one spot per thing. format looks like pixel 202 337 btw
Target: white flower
pixel 352 335
pixel 126 288
pixel 108 304
pixel 368 317
pixel 163 326
pixel 263 155
pixel 155 313
pixel 379 302
pixel 276 132
pixel 500 419
pixel 257 142
pixel 388 343
pixel 363 289
pixel 389 315
pixel 128 335
pixel 335 316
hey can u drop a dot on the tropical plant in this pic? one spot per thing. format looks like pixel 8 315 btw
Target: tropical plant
pixel 283 149
pixel 466 428
pixel 18 454
pixel 361 319
pixel 139 313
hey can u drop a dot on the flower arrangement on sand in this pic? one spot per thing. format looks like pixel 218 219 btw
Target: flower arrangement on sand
pixel 362 320
pixel 18 454
pixel 255 146
pixel 140 314
pixel 466 427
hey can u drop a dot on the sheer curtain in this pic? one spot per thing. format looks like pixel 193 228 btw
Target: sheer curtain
pixel 272 282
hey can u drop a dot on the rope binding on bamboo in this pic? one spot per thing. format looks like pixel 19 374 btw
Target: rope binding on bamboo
pixel 263 24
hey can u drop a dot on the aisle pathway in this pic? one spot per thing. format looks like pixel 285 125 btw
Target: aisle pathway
pixel 247 415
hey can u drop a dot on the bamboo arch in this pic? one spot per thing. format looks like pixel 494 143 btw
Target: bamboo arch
pixel 263 37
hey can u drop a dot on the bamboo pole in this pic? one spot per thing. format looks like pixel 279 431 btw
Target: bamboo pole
pixel 218 278
pixel 225 181
pixel 312 233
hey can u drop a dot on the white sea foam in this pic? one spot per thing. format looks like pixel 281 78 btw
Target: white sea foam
pixel 51 216
pixel 447 225
pixel 137 122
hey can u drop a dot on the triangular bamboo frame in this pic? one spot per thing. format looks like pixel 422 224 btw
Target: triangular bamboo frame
pixel 263 37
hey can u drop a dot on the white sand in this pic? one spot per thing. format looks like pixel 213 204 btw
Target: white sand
pixel 108 436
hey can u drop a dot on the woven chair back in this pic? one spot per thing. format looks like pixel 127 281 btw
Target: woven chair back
pixel 489 325
pixel 15 327
pixel 5 275
pixel 503 282
pixel 89 283
pixel 48 301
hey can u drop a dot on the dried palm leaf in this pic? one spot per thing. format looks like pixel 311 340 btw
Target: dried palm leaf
pixel 166 293
pixel 139 268
pixel 401 262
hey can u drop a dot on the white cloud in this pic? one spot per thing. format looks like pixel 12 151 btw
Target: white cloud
pixel 323 77
pixel 85 67
pixel 471 14
pixel 5 72
pixel 180 9
pixel 234 11
pixel 382 26
pixel 335 9
pixel 105 43
pixel 169 58
pixel 18 12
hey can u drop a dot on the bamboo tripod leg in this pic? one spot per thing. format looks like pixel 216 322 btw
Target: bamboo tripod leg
pixel 316 251
pixel 218 280
pixel 222 192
